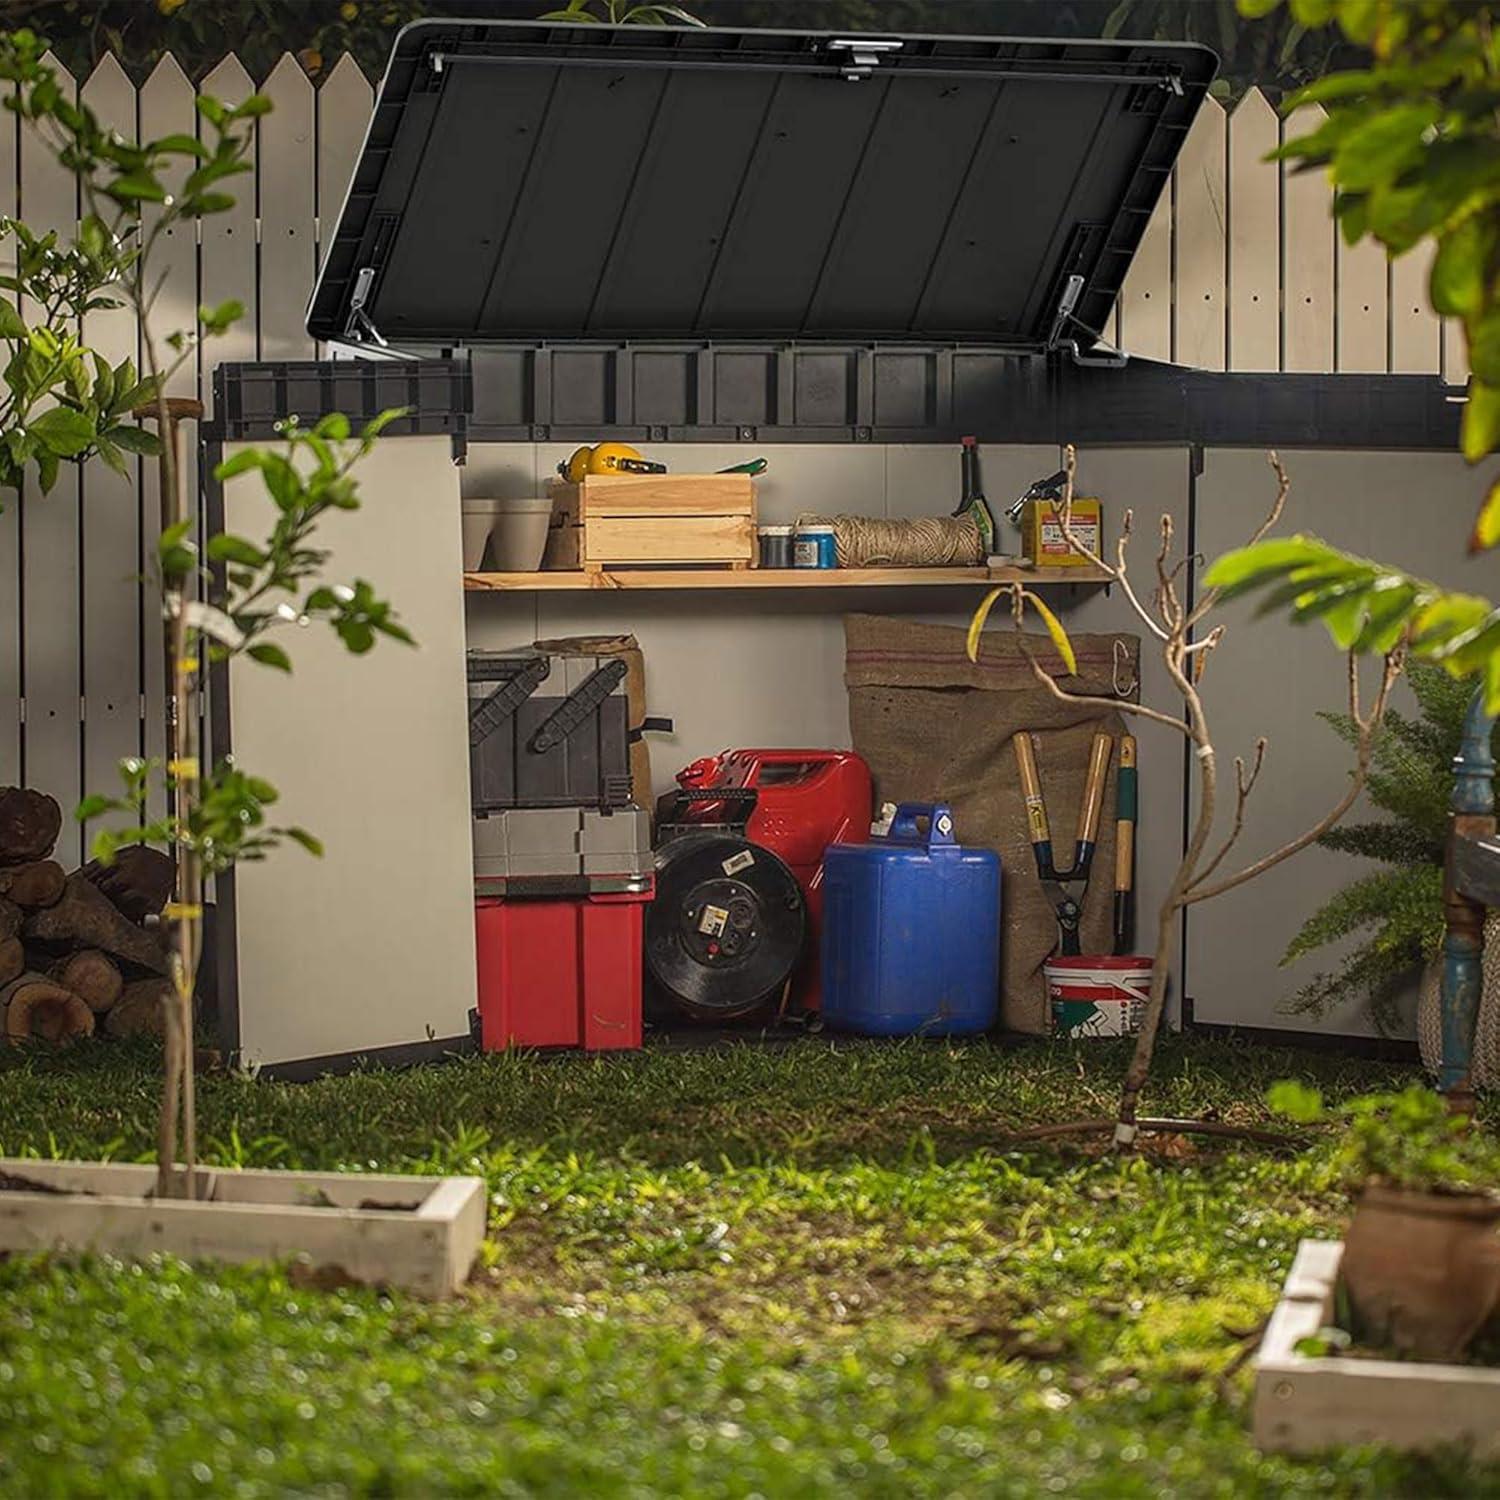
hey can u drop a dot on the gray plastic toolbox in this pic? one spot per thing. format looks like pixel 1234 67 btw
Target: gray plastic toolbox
pixel 521 846
pixel 547 730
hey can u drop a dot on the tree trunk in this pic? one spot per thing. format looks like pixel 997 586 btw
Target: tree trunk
pixel 85 918
pixel 35 885
pixel 93 976
pixel 36 1009
pixel 138 880
pixel 29 824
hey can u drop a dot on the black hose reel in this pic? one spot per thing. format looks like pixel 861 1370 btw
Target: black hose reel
pixel 728 923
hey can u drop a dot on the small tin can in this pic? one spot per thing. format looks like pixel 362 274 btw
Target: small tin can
pixel 814 547
pixel 775 546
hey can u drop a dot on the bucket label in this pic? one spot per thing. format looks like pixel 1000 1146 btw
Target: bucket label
pixel 737 862
pixel 1096 1004
pixel 713 921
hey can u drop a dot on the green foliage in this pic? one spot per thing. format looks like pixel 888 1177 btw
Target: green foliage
pixel 61 402
pixel 622 13
pixel 1367 606
pixel 802 1271
pixel 226 822
pixel 277 581
pixel 1400 909
pixel 1407 1139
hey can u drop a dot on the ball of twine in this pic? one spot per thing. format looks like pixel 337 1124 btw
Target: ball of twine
pixel 922 542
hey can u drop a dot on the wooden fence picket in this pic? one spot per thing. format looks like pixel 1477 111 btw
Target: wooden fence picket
pixel 1200 249
pixel 112 525
pixel 1308 233
pixel 166 108
pixel 1254 207
pixel 288 223
pixel 51 656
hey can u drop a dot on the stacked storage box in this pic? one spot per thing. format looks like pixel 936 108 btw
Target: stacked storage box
pixel 562 858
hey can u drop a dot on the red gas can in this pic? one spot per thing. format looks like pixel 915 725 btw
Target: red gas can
pixel 561 973
pixel 805 801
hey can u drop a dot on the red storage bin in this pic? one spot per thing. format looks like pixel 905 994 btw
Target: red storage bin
pixel 561 973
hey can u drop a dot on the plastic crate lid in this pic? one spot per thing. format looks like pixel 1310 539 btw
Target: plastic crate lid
pixel 536 180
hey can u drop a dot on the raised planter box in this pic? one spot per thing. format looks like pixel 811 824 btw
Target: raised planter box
pixel 419 1233
pixel 1303 1404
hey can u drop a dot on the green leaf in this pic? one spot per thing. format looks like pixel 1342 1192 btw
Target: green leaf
pixel 1457 280
pixel 1486 531
pixel 1481 420
pixel 135 440
pixel 226 547
pixel 242 462
pixel 178 145
pixel 1296 1101
pixel 334 427
pixel 47 465
pixel 65 431
pixel 139 186
pixel 314 846
pixel 11 325
pixel 1384 146
pixel 269 654
pixel 219 320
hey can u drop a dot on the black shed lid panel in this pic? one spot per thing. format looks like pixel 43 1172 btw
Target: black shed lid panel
pixel 523 180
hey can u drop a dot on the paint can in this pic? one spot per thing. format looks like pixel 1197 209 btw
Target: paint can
pixel 1097 997
pixel 775 546
pixel 814 546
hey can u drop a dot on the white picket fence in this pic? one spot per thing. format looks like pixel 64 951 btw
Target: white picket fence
pixel 1240 269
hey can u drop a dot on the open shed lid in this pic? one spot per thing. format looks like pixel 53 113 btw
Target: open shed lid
pixel 528 180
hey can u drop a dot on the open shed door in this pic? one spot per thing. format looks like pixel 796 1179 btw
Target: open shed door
pixel 529 180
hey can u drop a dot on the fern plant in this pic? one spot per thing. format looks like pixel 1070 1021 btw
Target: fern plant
pixel 1400 906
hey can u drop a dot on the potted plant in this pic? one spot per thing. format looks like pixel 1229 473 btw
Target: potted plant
pixel 1421 1262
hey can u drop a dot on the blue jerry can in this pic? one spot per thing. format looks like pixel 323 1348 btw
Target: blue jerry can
pixel 911 931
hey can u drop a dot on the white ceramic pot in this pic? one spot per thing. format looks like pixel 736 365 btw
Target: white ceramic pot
pixel 519 536
pixel 478 521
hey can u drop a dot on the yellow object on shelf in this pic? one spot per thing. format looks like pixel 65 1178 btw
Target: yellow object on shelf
pixel 1042 539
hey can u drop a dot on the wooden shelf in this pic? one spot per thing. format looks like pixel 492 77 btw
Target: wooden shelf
pixel 781 578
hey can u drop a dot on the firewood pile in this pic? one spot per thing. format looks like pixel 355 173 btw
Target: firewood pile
pixel 80 953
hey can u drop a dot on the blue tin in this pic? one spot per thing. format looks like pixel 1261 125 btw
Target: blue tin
pixel 814 547
pixel 911 931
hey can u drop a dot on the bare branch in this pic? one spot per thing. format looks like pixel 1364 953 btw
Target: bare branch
pixel 1088 700
pixel 1244 784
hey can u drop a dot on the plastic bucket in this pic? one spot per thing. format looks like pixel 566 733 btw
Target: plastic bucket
pixel 1091 997
pixel 519 536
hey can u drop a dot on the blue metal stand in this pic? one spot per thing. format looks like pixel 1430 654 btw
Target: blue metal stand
pixel 1473 818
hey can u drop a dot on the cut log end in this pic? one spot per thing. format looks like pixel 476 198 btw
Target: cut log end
pixel 93 976
pixel 39 1010
pixel 35 885
pixel 29 824
pixel 140 1009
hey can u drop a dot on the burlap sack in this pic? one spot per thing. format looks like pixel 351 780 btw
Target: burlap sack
pixel 936 727
pixel 628 648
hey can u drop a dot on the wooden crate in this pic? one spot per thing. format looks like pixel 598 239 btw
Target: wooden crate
pixel 644 520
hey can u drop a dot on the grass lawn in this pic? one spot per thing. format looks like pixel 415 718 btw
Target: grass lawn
pixel 793 1272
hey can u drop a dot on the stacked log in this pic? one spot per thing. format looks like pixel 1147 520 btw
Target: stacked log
pixel 79 952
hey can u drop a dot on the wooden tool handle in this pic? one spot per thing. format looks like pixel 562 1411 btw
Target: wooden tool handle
pixel 1093 791
pixel 1031 790
pixel 1126 803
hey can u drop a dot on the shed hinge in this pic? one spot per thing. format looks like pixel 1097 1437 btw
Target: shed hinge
pixel 358 327
pixel 863 54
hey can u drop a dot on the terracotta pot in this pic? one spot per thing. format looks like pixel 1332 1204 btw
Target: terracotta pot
pixel 1423 1269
